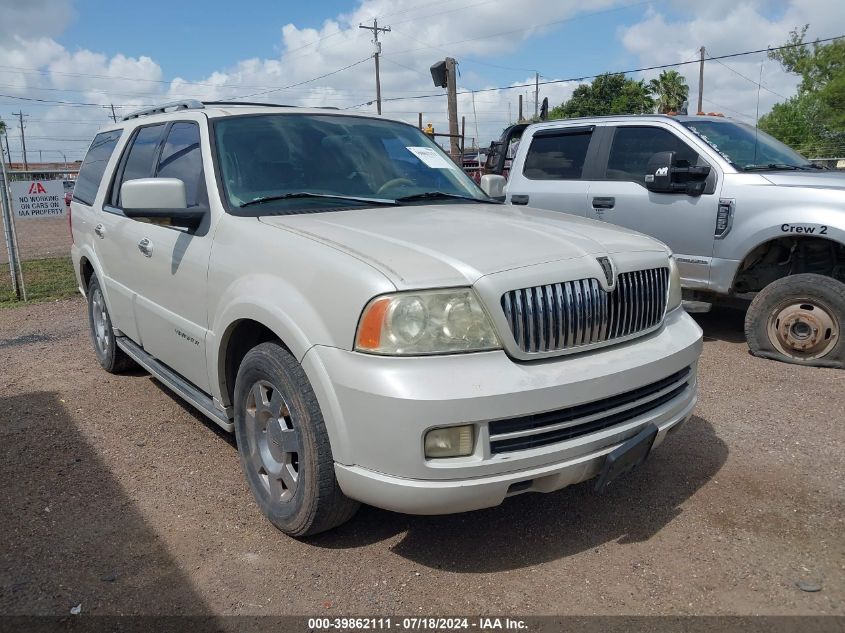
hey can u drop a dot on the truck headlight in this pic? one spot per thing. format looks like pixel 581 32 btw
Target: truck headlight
pixel 427 322
pixel 449 441
pixel 674 298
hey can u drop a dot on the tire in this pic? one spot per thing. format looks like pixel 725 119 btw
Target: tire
pixel 283 445
pixel 799 319
pixel 111 358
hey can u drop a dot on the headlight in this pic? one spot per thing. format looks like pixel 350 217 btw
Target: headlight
pixel 428 322
pixel 674 299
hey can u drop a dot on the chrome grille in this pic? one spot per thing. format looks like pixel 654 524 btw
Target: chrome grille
pixel 577 313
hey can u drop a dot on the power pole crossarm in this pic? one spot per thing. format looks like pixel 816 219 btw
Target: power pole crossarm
pixel 376 30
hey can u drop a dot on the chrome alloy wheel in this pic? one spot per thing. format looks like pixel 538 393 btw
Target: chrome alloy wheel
pixel 100 322
pixel 803 331
pixel 274 442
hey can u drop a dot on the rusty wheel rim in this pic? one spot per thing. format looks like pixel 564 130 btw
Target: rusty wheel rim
pixel 803 329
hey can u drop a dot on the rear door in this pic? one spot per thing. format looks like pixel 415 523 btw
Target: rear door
pixel 555 168
pixel 685 223
pixel 167 266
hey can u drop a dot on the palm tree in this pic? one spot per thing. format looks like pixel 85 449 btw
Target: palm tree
pixel 671 91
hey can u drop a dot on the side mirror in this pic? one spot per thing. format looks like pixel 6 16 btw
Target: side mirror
pixel 158 198
pixel 666 174
pixel 494 186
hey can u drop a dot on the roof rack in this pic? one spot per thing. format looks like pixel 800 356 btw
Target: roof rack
pixel 247 103
pixel 184 104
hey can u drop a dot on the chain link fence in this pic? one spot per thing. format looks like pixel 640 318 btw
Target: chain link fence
pixel 38 234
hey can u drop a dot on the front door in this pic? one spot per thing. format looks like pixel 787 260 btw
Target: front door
pixel 170 264
pixel 685 223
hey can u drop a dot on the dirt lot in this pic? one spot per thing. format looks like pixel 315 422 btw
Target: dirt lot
pixel 118 497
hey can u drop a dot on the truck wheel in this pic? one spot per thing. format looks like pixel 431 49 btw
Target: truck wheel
pixel 799 319
pixel 113 359
pixel 284 446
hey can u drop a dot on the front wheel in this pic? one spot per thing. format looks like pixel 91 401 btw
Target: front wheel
pixel 284 446
pixel 799 319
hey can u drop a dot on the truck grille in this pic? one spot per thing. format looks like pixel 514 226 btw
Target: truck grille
pixel 530 431
pixel 577 313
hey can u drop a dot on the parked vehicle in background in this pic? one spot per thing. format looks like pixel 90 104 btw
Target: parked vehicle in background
pixel 69 184
pixel 334 289
pixel 747 217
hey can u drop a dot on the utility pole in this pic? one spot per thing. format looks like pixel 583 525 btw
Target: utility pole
pixel 376 30
pixel 20 116
pixel 701 80
pixel 452 96
pixel 536 95
pixel 519 118
pixel 113 115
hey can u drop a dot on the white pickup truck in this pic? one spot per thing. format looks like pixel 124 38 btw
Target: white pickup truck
pixel 750 221
pixel 372 326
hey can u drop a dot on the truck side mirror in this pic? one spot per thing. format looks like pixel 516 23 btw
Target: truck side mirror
pixel 494 186
pixel 658 175
pixel 666 174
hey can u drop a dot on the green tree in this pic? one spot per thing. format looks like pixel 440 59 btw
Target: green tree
pixel 813 121
pixel 608 94
pixel 671 91
pixel 802 123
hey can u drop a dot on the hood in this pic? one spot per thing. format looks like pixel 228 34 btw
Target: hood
pixel 817 179
pixel 456 244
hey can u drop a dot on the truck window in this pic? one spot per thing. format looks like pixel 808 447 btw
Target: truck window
pixel 140 159
pixel 94 166
pixel 556 156
pixel 633 147
pixel 181 158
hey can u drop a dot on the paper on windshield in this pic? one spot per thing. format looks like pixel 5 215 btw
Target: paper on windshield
pixel 431 158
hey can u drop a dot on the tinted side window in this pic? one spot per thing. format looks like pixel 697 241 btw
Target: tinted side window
pixel 94 166
pixel 141 158
pixel 557 156
pixel 181 158
pixel 633 147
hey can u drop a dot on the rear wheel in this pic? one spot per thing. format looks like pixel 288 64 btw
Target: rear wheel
pixel 799 319
pixel 113 359
pixel 284 446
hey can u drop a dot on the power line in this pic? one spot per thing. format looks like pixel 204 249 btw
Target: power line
pixel 301 83
pixel 620 72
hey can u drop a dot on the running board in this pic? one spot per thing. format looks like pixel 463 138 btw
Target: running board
pixel 173 381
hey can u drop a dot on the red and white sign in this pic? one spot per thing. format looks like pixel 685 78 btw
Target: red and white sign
pixel 38 198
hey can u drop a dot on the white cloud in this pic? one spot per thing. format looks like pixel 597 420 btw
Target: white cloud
pixel 420 35
pixel 724 27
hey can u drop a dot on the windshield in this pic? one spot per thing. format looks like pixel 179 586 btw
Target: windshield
pixel 279 163
pixel 746 147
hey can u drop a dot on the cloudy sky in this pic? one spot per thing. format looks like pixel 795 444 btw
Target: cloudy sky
pixel 64 62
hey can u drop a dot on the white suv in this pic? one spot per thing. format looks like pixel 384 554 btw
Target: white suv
pixel 371 325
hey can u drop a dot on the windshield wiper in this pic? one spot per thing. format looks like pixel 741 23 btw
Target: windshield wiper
pixel 309 194
pixel 772 166
pixel 440 195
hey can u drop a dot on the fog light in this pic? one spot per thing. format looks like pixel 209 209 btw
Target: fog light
pixel 449 441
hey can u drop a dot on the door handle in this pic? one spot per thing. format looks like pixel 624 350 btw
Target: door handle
pixel 519 199
pixel 100 230
pixel 146 247
pixel 604 203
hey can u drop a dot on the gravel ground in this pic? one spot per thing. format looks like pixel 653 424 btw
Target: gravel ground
pixel 119 497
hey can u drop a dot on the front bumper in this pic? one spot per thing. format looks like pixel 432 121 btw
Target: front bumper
pixel 378 409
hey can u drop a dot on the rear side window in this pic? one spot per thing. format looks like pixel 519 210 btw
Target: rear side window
pixel 140 161
pixel 633 147
pixel 557 156
pixel 94 166
pixel 181 158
